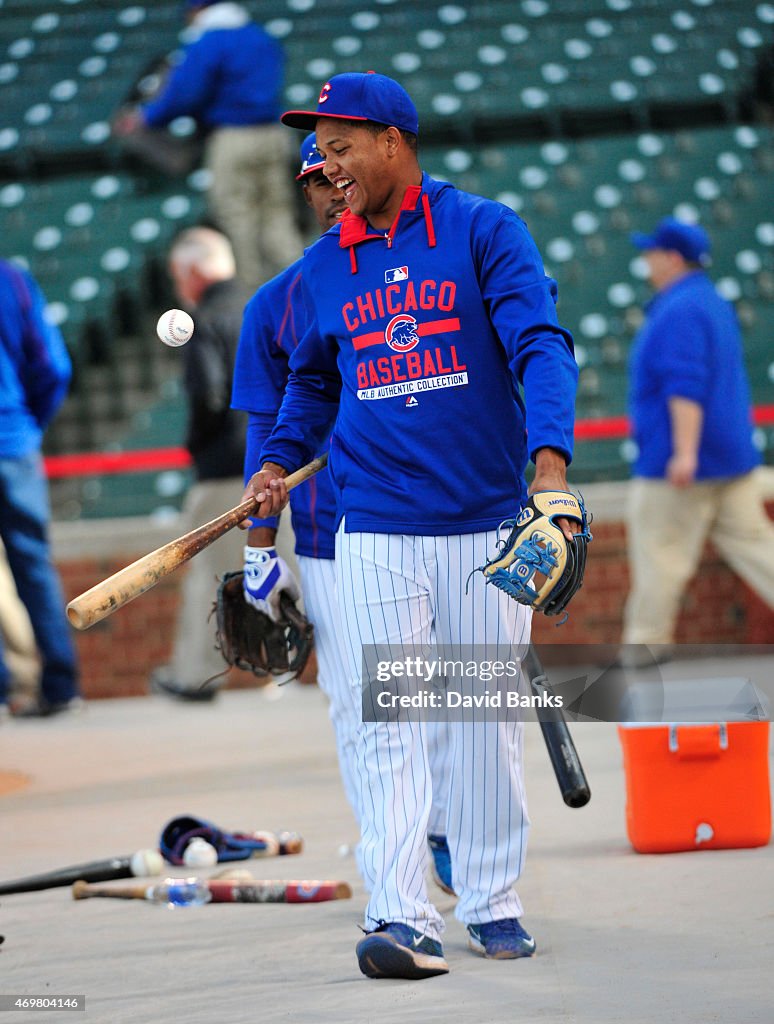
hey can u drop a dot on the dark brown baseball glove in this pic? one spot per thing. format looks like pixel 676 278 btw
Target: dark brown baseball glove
pixel 249 639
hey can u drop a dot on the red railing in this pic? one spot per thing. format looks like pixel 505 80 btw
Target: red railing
pixel 151 460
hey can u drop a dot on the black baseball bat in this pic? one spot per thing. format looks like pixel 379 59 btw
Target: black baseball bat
pixel 567 766
pixel 92 871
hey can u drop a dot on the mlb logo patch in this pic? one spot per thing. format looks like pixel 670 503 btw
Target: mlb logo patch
pixel 396 274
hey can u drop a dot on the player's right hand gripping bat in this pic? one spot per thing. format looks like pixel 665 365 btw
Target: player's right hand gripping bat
pixel 567 766
pixel 232 891
pixel 126 584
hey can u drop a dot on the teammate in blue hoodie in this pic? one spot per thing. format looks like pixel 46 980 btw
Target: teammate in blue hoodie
pixel 230 81
pixel 34 377
pixel 274 322
pixel 691 415
pixel 430 312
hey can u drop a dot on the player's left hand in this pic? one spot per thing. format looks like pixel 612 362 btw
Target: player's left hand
pixel 551 475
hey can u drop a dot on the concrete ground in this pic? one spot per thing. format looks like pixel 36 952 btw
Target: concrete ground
pixel 621 936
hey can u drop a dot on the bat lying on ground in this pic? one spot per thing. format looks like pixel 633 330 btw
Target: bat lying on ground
pixel 262 891
pixel 567 766
pixel 232 891
pixel 126 584
pixel 142 863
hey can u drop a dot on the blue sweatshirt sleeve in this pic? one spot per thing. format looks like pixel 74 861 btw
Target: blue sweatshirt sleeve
pixel 47 368
pixel 258 429
pixel 522 305
pixel 188 88
pixel 686 367
pixel 311 399
pixel 261 365
pixel 260 375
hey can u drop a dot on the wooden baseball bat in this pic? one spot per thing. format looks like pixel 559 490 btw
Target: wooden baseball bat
pixel 231 891
pixel 126 584
pixel 93 871
pixel 266 891
pixel 567 766
pixel 83 890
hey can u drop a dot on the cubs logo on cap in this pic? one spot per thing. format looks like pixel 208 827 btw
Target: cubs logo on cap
pixel 360 97
pixel 311 158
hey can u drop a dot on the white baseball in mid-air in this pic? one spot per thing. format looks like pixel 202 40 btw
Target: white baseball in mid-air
pixel 175 327
pixel 145 863
pixel 200 854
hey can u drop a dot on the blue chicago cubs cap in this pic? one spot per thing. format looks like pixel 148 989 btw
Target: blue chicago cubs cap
pixel 360 97
pixel 690 240
pixel 311 158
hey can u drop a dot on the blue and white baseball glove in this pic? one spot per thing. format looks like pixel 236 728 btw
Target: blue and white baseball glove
pixel 536 565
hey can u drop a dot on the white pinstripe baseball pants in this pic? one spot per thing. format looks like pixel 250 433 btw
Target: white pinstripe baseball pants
pixel 406 590
pixel 318 581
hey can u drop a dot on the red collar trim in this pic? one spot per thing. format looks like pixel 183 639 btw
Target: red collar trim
pixel 355 229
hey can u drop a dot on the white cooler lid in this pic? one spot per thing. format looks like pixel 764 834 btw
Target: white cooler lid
pixel 692 702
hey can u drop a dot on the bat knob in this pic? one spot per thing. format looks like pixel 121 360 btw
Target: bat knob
pixel 578 797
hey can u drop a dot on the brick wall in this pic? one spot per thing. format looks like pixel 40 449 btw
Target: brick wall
pixel 118 654
pixel 718 608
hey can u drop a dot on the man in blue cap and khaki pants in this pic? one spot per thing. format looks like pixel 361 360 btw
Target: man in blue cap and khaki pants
pixel 694 476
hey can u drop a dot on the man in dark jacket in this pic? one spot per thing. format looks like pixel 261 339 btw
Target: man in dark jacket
pixel 201 264
pixel 34 377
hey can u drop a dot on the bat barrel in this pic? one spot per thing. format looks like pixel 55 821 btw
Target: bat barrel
pixel 567 766
pixel 116 591
pixel 94 871
pixel 277 891
pixel 122 587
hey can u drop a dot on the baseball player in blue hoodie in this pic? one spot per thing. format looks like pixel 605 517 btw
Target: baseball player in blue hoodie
pixel 274 321
pixel 430 313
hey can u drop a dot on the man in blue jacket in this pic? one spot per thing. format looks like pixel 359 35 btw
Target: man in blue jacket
pixel 34 376
pixel 694 478
pixel 230 81
pixel 430 311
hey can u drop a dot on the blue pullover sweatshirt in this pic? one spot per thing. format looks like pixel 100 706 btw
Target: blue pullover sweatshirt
pixel 275 320
pixel 35 366
pixel 420 340
pixel 690 347
pixel 230 76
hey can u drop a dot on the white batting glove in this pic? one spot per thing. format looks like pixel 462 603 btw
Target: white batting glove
pixel 266 578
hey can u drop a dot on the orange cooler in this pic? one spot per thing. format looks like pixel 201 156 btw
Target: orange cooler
pixel 697 785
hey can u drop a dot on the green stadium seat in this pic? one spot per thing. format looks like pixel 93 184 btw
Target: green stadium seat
pixel 572 71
